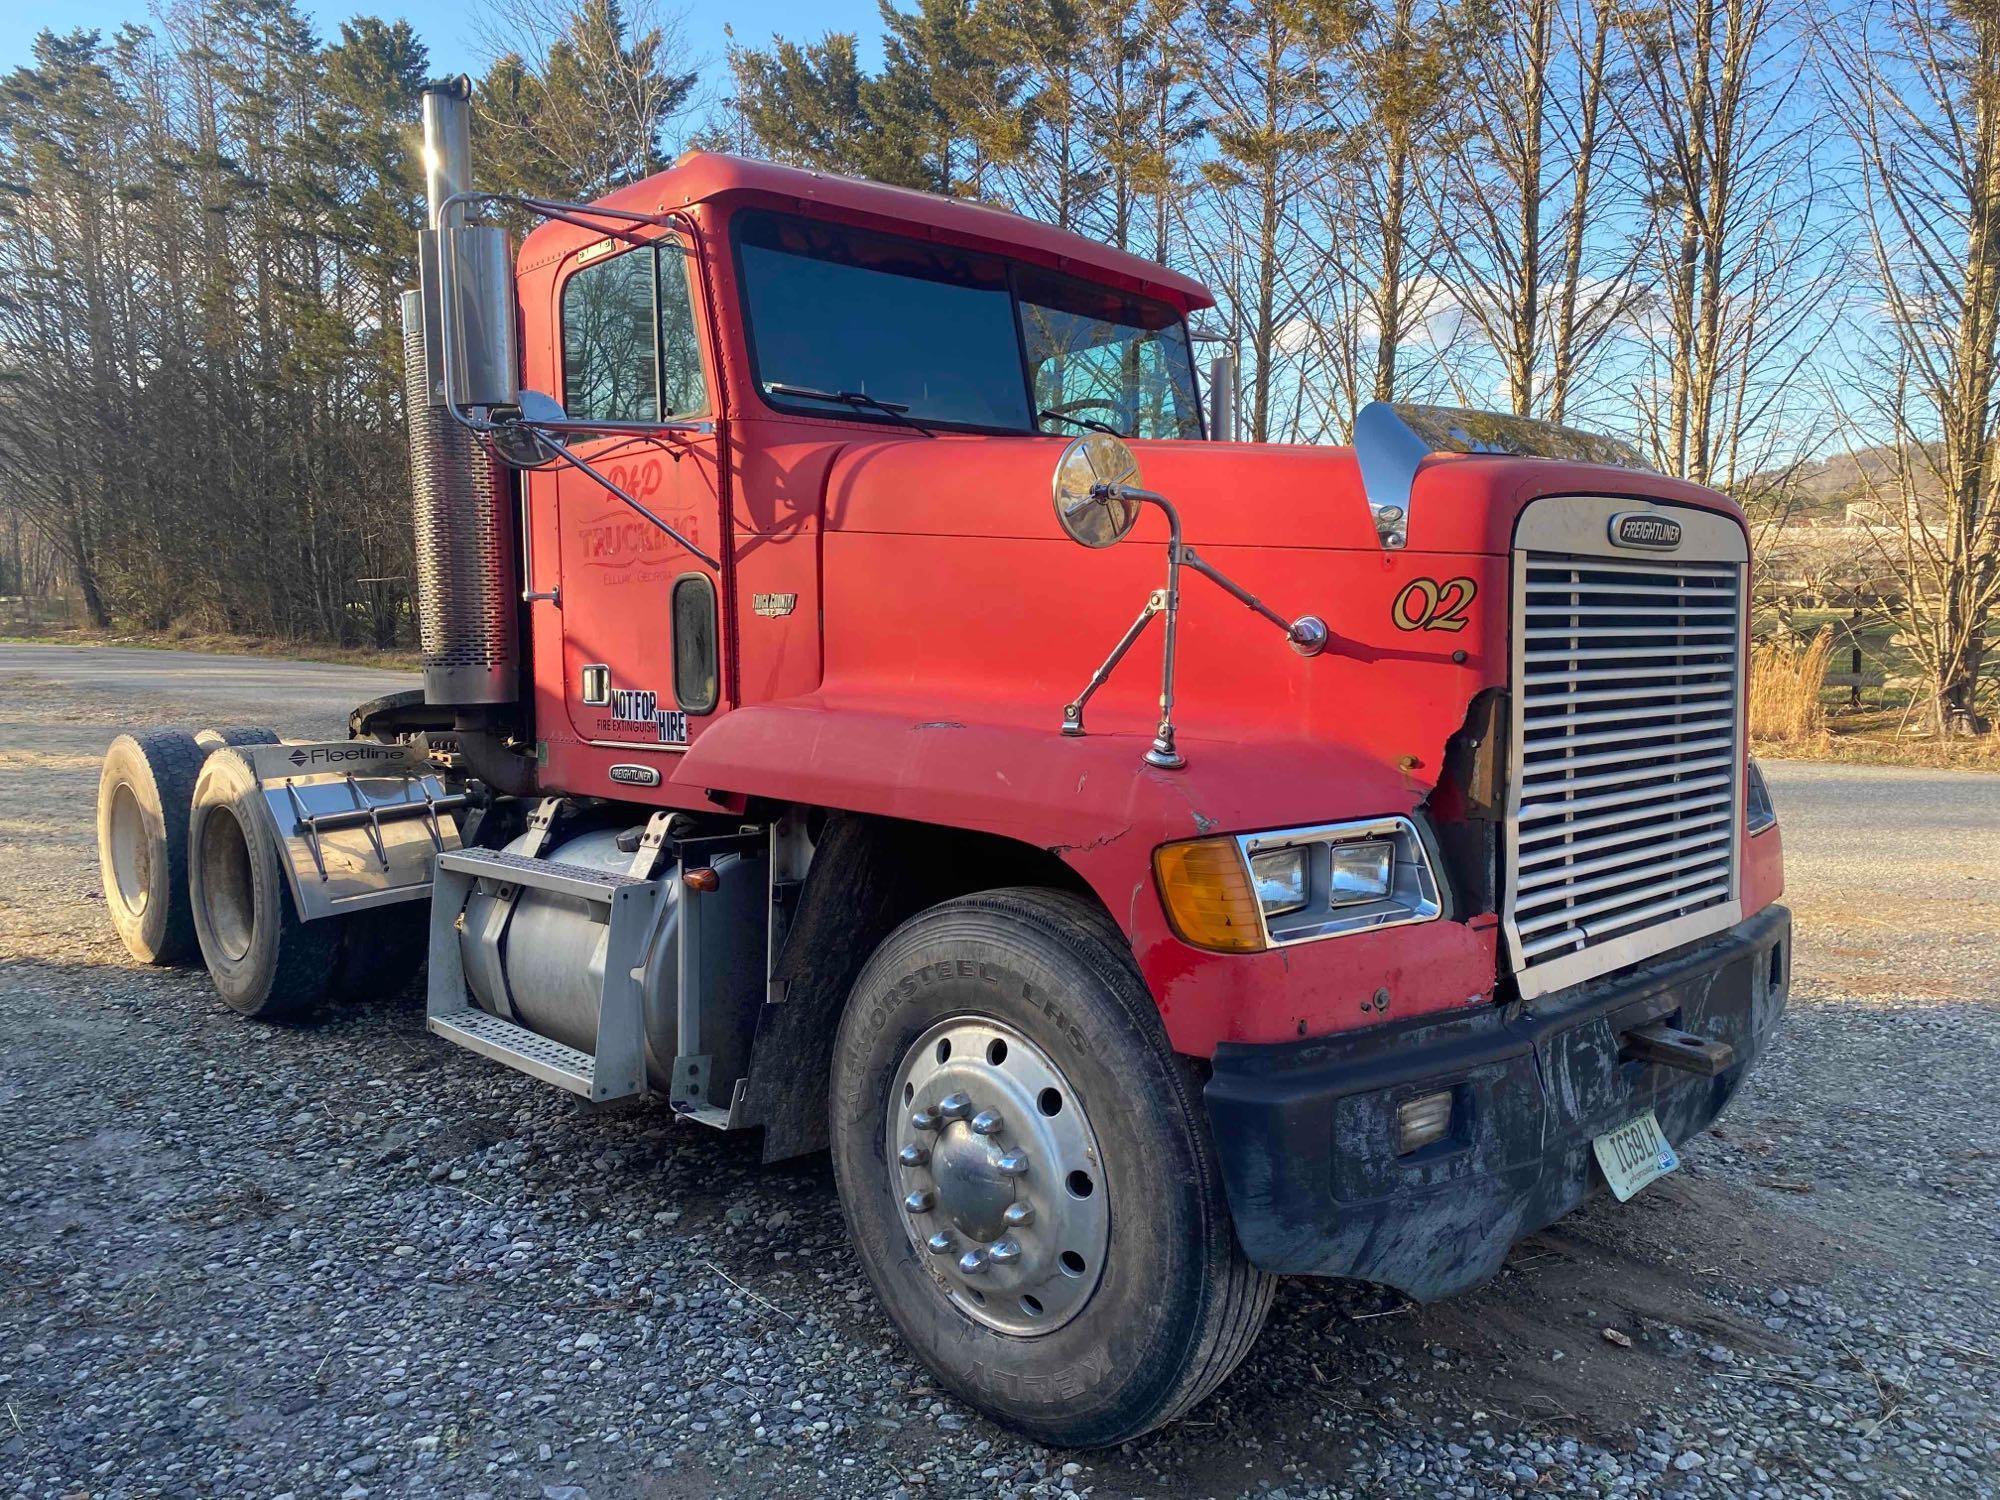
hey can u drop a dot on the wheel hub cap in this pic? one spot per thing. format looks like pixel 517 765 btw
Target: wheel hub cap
pixel 998 1176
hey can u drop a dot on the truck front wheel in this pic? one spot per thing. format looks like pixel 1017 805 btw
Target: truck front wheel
pixel 1027 1173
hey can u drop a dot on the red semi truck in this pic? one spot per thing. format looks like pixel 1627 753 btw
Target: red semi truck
pixel 793 556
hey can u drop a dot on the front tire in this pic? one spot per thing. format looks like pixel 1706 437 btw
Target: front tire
pixel 1084 1284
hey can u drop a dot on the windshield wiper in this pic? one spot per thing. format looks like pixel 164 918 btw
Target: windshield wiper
pixel 900 410
pixel 1091 423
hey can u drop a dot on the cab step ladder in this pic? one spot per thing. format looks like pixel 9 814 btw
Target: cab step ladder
pixel 617 1067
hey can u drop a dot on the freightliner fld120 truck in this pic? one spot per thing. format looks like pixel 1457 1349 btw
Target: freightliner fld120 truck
pixel 868 703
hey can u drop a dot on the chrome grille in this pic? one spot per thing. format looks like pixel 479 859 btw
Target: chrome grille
pixel 1627 741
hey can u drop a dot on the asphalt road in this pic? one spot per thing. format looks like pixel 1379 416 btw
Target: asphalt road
pixel 348 1259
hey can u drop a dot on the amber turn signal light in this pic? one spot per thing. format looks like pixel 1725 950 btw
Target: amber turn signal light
pixel 1208 896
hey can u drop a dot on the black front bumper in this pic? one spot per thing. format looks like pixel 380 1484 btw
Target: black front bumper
pixel 1307 1130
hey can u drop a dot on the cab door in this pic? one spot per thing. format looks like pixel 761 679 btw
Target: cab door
pixel 640 611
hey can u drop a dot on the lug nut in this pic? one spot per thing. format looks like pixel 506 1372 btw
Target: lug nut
pixel 987 1122
pixel 1018 1214
pixel 926 1119
pixel 972 1263
pixel 955 1106
pixel 1004 1252
pixel 1012 1164
pixel 941 1243
pixel 920 1202
pixel 913 1156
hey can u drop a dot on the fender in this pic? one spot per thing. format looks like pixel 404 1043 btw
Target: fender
pixel 1096 805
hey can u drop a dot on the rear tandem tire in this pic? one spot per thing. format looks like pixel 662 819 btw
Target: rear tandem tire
pixel 264 961
pixel 143 798
pixel 233 736
pixel 1079 1324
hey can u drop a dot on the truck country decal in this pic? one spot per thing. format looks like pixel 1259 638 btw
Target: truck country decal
pixel 642 706
pixel 1426 604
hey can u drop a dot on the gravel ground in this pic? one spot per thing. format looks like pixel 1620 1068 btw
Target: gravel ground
pixel 351 1260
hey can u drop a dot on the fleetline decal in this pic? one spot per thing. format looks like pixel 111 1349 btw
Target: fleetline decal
pixel 1426 604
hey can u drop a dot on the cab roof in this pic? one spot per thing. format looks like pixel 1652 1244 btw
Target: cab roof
pixel 712 176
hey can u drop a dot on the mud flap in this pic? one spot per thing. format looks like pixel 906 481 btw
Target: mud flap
pixel 359 825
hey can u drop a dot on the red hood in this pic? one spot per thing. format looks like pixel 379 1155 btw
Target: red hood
pixel 1228 494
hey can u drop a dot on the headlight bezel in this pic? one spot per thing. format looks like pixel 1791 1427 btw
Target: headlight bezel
pixel 1208 890
pixel 1414 894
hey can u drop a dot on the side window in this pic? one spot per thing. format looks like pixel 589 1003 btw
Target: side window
pixel 694 643
pixel 682 393
pixel 630 353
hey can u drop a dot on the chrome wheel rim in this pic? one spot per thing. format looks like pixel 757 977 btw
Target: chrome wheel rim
pixel 997 1176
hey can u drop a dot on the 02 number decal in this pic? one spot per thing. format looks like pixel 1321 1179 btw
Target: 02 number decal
pixel 1426 604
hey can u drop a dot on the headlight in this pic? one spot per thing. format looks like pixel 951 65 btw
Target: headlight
pixel 1267 890
pixel 1279 876
pixel 1758 812
pixel 1360 871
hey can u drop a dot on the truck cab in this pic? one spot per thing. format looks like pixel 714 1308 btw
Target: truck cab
pixel 788 751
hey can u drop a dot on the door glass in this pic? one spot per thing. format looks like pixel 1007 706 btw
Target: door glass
pixel 682 393
pixel 630 351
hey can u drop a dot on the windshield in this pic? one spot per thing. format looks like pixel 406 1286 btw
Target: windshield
pixel 846 321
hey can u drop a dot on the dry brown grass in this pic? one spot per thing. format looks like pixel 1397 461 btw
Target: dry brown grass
pixel 1785 684
pixel 1966 753
pixel 220 644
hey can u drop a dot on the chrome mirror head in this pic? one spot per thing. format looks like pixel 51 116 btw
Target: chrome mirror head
pixel 537 407
pixel 1090 477
pixel 515 441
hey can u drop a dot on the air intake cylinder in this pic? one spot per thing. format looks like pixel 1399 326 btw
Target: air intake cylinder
pixel 467 586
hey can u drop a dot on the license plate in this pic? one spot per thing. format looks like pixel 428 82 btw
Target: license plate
pixel 1634 1154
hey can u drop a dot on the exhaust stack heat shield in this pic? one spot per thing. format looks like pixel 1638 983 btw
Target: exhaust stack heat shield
pixel 467 627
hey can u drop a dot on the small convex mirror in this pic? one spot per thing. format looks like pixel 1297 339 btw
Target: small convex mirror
pixel 516 441
pixel 1090 471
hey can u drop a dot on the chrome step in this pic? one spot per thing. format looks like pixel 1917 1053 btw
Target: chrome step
pixel 617 1069
pixel 537 874
pixel 524 1050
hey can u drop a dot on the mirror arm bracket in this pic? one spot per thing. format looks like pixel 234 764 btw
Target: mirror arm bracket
pixel 1156 603
pixel 1308 634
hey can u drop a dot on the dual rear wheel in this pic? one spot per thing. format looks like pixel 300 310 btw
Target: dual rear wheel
pixel 191 876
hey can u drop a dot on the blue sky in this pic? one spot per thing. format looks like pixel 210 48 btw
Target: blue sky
pixel 452 30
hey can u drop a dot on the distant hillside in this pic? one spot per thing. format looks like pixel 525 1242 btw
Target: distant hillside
pixel 1823 489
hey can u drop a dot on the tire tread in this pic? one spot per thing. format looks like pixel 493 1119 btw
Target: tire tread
pixel 1237 1296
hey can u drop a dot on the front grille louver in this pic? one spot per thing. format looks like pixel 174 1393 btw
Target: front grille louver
pixel 1626 717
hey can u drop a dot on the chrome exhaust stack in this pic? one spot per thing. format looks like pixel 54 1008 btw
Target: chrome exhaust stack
pixel 468 586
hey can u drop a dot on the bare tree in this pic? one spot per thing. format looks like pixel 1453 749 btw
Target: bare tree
pixel 1539 235
pixel 1923 92
pixel 1741 260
